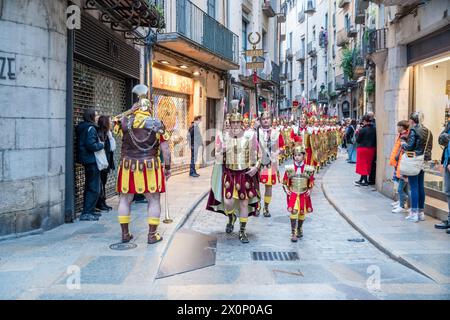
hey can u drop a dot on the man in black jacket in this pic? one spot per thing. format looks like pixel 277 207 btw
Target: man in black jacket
pixel 88 142
pixel 195 141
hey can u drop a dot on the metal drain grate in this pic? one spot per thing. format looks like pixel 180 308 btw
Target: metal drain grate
pixel 123 246
pixel 274 256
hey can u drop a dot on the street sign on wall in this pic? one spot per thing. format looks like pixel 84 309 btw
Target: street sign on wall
pixel 255 65
pixel 255 53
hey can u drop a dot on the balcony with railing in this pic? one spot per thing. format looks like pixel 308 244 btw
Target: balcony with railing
pixel 358 64
pixel 300 55
pixel 377 40
pixel 310 7
pixel 311 48
pixel 199 36
pixel 289 54
pixel 301 75
pixel 340 83
pixel 269 7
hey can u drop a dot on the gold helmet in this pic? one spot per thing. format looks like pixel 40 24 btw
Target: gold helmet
pixel 299 149
pixel 234 115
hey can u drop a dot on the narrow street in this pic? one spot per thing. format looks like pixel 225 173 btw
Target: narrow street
pixel 330 265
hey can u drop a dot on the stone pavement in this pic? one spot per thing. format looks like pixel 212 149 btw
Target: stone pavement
pixel 330 266
pixel 40 266
pixel 417 245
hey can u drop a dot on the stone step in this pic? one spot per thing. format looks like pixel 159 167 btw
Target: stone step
pixel 436 208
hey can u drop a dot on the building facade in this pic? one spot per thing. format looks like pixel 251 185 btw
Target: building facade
pixel 249 18
pixel 60 57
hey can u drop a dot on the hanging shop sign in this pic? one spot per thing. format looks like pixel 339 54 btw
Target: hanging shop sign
pixel 172 82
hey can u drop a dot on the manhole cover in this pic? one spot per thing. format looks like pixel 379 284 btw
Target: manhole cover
pixel 356 240
pixel 274 256
pixel 123 246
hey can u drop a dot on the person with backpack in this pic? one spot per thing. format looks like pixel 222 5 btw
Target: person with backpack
pixel 444 139
pixel 88 142
pixel 350 140
pixel 420 142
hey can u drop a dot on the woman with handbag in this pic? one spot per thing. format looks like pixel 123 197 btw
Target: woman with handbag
pixel 105 135
pixel 416 152
pixel 366 138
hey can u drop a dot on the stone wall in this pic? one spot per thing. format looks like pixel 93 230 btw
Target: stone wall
pixel 32 115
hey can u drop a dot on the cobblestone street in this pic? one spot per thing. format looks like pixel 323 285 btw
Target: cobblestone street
pixel 330 266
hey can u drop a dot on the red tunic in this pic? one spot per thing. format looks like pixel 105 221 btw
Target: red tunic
pixel 301 202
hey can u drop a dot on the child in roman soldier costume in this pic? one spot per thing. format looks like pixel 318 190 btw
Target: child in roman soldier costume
pixel 234 181
pixel 271 143
pixel 141 171
pixel 298 181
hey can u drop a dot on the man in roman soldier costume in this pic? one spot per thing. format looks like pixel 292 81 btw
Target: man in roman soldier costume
pixel 298 181
pixel 141 170
pixel 271 142
pixel 304 132
pixel 287 134
pixel 235 181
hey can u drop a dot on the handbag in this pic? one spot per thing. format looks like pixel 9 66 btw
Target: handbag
pixel 100 158
pixel 102 161
pixel 411 164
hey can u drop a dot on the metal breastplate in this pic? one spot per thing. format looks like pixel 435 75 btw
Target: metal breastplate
pixel 269 146
pixel 299 183
pixel 237 153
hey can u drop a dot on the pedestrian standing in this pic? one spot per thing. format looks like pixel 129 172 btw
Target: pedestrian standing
pixel 366 139
pixel 420 142
pixel 105 135
pixel 444 139
pixel 395 161
pixel 350 138
pixel 195 141
pixel 373 170
pixel 88 142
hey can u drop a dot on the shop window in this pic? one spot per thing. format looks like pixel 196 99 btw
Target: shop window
pixel 432 79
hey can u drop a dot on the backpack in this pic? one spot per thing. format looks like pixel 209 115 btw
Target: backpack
pixel 444 137
pixel 429 145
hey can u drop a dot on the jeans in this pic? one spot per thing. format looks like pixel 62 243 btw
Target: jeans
pixel 91 188
pixel 447 189
pixel 402 192
pixel 351 151
pixel 194 157
pixel 416 183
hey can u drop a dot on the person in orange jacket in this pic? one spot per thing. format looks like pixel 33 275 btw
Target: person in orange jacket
pixel 394 161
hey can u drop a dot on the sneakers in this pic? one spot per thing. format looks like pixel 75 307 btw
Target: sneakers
pixel 395 204
pixel 421 216
pixel 413 217
pixel 399 210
